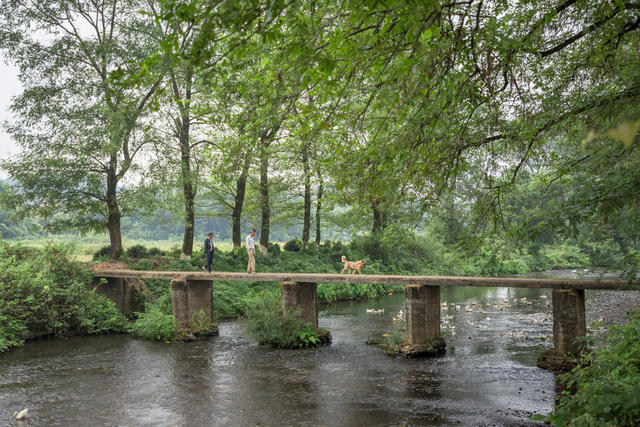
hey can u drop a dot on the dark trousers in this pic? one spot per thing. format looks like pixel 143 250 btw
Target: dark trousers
pixel 209 256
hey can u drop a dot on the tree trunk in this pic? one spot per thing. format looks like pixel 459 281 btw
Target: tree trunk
pixel 236 214
pixel 189 191
pixel 306 223
pixel 189 187
pixel 318 209
pixel 264 198
pixel 113 214
pixel 379 217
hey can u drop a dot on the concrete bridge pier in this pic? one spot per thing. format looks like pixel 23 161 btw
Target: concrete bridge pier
pixel 422 313
pixel 117 290
pixel 569 323
pixel 191 304
pixel 301 296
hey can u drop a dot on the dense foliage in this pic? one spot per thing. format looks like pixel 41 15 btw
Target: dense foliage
pixel 268 324
pixel 607 386
pixel 43 293
pixel 517 119
pixel 156 322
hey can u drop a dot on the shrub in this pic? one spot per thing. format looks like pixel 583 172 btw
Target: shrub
pixel 43 292
pixel 608 384
pixel 102 252
pixel 174 251
pixel 293 245
pixel 267 324
pixel 274 249
pixel 99 315
pixel 143 264
pixel 156 252
pixel 240 254
pixel 154 324
pixel 136 251
pixel 157 322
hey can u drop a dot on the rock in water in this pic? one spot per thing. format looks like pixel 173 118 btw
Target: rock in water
pixel 20 415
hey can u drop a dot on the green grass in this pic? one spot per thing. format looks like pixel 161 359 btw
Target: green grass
pixel 82 247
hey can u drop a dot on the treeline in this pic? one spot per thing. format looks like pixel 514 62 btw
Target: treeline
pixel 475 120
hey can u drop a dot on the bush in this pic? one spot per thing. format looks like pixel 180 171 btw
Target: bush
pixel 102 252
pixel 274 249
pixel 174 251
pixel 136 251
pixel 267 324
pixel 143 264
pixel 154 324
pixel 43 292
pixel 607 386
pixel 293 245
pixel 240 254
pixel 156 252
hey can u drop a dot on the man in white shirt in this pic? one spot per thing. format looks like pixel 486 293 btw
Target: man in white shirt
pixel 251 250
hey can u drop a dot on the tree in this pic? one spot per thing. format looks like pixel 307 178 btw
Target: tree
pixel 182 82
pixel 80 132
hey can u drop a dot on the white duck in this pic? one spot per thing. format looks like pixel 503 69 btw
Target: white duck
pixel 21 414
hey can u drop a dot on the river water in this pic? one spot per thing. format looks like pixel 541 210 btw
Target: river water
pixel 487 376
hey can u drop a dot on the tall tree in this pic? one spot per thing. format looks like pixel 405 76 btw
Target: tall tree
pixel 79 131
pixel 176 41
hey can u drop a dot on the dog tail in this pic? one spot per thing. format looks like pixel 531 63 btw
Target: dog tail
pixel 344 258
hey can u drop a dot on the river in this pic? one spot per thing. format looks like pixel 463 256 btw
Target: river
pixel 487 376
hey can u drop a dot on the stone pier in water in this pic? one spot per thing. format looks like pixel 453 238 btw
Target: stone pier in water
pixel 191 304
pixel 117 290
pixel 422 313
pixel 569 324
pixel 301 296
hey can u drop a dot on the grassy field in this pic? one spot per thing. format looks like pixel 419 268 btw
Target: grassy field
pixel 83 247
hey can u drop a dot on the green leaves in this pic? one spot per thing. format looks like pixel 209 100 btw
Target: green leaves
pixel 608 386
pixel 43 292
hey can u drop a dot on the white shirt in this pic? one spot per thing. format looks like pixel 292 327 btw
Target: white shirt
pixel 250 243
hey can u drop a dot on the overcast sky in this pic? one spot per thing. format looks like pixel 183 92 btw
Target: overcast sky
pixel 10 86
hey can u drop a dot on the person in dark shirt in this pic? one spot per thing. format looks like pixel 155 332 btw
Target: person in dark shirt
pixel 208 252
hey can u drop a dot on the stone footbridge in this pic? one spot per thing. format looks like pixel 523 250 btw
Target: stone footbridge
pixel 192 294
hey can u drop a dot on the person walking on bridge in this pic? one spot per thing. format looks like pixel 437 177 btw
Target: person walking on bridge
pixel 208 252
pixel 251 250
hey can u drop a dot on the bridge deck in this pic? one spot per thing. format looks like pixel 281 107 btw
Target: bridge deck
pixel 376 279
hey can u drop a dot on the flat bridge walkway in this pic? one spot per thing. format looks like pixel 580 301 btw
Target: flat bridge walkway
pixel 374 279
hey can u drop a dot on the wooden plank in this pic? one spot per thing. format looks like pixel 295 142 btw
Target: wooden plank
pixel 378 279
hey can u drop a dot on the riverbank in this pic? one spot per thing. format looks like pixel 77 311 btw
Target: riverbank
pixel 605 387
pixel 44 293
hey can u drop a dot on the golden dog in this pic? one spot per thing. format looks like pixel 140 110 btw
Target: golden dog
pixel 352 266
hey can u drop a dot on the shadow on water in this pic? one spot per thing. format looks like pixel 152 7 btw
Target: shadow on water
pixel 488 375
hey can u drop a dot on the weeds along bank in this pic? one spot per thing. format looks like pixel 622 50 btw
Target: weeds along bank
pixel 605 389
pixel 44 293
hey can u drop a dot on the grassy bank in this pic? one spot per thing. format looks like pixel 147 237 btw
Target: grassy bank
pixel 44 293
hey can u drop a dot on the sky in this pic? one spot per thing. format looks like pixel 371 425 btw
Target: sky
pixel 9 87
